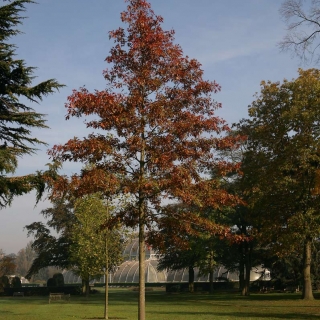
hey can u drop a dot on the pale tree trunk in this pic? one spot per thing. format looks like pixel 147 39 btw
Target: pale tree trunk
pixel 142 219
pixel 211 265
pixel 106 303
pixel 307 293
pixel 142 257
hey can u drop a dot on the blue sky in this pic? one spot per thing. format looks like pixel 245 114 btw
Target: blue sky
pixel 236 42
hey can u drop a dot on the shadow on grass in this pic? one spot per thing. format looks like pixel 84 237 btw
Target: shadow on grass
pixel 239 315
pixel 110 318
pixel 160 298
pixel 234 296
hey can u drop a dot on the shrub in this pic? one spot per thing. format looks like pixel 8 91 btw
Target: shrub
pixel 16 282
pixel 175 288
pixel 59 280
pixel 4 283
pixel 51 282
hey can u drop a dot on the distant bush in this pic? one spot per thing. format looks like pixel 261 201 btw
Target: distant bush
pixel 59 280
pixel 16 282
pixel 43 291
pixel 4 283
pixel 51 282
pixel 174 288
pixel 201 286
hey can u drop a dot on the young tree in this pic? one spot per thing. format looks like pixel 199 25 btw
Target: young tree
pixel 160 126
pixel 88 249
pixel 16 118
pixel 303 26
pixel 281 166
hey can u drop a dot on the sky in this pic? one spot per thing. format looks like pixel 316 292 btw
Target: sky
pixel 235 41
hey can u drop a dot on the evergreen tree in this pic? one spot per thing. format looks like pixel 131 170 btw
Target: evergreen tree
pixel 16 118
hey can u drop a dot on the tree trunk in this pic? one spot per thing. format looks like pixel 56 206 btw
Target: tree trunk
pixel 86 287
pixel 246 270
pixel 307 293
pixel 142 223
pixel 211 281
pixel 247 280
pixel 191 279
pixel 142 258
pixel 248 247
pixel 106 304
pixel 241 271
pixel 83 287
pixel 244 290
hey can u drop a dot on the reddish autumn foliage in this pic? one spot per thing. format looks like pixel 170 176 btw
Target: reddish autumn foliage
pixel 161 130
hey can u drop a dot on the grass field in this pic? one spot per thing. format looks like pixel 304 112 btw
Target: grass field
pixel 163 306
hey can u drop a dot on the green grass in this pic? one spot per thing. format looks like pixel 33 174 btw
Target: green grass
pixel 163 306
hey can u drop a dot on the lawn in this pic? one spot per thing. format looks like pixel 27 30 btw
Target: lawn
pixel 163 306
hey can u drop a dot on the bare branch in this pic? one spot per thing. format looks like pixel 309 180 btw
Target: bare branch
pixel 303 28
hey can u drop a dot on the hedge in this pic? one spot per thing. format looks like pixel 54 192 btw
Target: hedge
pixel 43 291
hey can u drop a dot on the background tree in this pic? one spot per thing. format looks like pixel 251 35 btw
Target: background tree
pixel 7 264
pixel 80 240
pixel 175 258
pixel 44 274
pixel 4 283
pixel 242 255
pixel 88 249
pixel 16 282
pixel 24 259
pixel 52 249
pixel 303 28
pixel 160 126
pixel 16 118
pixel 184 250
pixel 282 165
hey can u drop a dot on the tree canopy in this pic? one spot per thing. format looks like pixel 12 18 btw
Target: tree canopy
pixel 281 165
pixel 94 248
pixel 17 119
pixel 160 127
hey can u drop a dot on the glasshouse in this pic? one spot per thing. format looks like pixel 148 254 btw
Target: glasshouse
pixel 128 271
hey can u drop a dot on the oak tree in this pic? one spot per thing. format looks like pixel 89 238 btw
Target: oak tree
pixel 160 128
pixel 281 165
